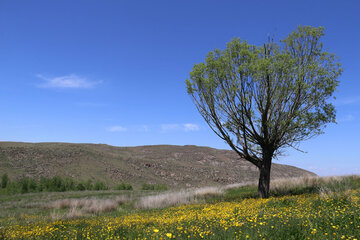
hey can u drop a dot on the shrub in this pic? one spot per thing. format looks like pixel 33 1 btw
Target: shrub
pixel 123 186
pixel 159 187
pixel 4 180
pixel 57 184
pixel 100 186
pixel 32 185
pixel 69 184
pixel 24 185
pixel 80 187
pixel 54 184
pixel 88 185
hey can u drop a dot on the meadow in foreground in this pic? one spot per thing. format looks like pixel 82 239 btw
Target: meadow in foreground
pixel 329 215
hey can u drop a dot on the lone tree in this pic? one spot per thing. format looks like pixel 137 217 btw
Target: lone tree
pixel 262 99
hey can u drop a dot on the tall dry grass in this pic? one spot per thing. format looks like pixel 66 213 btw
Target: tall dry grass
pixel 182 197
pixel 321 185
pixel 80 207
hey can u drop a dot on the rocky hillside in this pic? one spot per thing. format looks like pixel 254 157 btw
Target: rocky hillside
pixel 176 166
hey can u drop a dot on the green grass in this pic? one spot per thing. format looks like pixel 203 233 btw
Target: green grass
pixel 333 213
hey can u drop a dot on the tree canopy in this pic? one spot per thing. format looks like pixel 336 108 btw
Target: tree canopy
pixel 262 99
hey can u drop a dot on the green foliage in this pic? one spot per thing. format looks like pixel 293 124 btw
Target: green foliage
pixel 272 94
pixel 4 180
pixel 100 186
pixel 296 191
pixel 80 187
pixel 262 99
pixel 69 184
pixel 156 187
pixel 88 185
pixel 54 184
pixel 24 185
pixel 57 184
pixel 123 186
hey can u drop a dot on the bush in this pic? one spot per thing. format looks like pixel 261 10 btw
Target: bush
pixel 24 185
pixel 32 185
pixel 158 187
pixel 100 186
pixel 123 186
pixel 88 185
pixel 55 184
pixel 80 187
pixel 4 180
pixel 69 184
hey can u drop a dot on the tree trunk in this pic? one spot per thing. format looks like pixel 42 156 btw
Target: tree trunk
pixel 264 180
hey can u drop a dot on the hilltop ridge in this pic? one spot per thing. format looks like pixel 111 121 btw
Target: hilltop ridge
pixel 176 166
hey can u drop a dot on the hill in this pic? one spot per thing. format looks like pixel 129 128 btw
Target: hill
pixel 176 166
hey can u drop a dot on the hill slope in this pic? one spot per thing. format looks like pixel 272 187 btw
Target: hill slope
pixel 161 164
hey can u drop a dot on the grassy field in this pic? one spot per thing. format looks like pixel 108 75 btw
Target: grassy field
pixel 306 208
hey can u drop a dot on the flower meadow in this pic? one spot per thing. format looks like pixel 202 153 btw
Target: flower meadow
pixel 307 216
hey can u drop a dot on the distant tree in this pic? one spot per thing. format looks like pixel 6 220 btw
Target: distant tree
pixel 4 180
pixel 261 99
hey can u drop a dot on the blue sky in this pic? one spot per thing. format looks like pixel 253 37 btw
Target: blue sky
pixel 113 71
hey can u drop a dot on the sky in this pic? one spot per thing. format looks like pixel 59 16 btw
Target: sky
pixel 114 72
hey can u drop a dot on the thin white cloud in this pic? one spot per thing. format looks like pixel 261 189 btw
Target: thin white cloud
pixel 67 81
pixel 117 129
pixel 143 128
pixel 187 127
pixel 347 101
pixel 170 127
pixel 347 118
pixel 191 127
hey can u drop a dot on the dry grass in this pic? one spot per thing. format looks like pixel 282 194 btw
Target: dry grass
pixel 80 207
pixel 284 184
pixel 322 185
pixel 165 200
pixel 177 198
pixel 183 196
pixel 75 213
pixel 208 191
pixel 55 215
pixel 238 185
